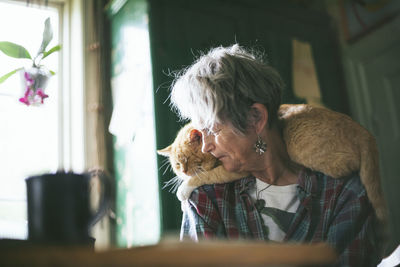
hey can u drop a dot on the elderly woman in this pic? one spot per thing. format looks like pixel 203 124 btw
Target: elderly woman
pixel 233 97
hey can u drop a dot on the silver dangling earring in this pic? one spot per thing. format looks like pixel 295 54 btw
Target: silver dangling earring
pixel 260 146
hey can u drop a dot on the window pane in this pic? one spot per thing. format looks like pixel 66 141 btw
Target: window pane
pixel 29 137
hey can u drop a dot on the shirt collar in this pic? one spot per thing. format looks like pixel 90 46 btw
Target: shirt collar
pixel 307 183
pixel 245 183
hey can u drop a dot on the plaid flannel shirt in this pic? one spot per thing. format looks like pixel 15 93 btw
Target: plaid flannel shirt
pixel 336 211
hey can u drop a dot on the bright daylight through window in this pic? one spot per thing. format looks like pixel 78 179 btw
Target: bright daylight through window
pixel 30 136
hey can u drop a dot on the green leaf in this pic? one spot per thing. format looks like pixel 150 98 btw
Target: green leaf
pixel 5 77
pixel 14 50
pixel 52 50
pixel 47 36
pixel 52 72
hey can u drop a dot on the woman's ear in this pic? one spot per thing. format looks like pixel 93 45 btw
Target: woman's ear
pixel 259 115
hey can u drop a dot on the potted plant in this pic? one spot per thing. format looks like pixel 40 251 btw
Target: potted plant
pixel 34 78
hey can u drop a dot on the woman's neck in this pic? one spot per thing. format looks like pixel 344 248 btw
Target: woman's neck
pixel 276 166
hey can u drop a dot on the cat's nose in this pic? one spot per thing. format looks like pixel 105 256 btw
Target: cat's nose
pixel 185 168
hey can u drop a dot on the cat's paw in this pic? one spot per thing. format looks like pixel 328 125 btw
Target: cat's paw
pixel 184 191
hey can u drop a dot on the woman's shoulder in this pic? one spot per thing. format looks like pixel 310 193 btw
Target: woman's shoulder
pixel 209 191
pixel 218 192
pixel 350 185
pixel 204 198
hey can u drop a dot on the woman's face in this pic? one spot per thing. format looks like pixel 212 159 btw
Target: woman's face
pixel 234 151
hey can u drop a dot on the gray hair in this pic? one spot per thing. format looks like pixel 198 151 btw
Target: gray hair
pixel 222 85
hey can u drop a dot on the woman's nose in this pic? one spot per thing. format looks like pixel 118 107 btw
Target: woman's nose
pixel 208 143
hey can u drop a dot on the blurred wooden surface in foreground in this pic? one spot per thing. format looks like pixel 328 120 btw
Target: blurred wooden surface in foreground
pixel 206 253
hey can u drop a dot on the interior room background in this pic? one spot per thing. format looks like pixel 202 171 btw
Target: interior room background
pixel 108 106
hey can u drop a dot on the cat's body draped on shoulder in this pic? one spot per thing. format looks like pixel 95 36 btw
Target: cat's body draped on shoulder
pixel 315 137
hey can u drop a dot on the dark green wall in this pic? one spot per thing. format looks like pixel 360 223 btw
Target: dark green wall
pixel 179 29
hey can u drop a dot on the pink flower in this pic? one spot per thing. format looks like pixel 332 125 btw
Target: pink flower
pixel 34 93
pixel 42 95
pixel 28 92
pixel 27 96
pixel 24 100
pixel 28 78
pixel 33 98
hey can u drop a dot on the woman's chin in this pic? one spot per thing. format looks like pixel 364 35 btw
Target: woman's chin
pixel 228 166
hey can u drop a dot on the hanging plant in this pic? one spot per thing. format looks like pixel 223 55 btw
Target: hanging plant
pixel 36 77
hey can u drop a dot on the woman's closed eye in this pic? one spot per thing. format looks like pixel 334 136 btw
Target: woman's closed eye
pixel 213 131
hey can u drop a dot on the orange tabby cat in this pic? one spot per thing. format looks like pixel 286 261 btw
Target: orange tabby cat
pixel 192 166
pixel 315 137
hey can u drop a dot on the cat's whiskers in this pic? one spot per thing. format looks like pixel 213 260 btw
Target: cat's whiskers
pixel 165 161
pixel 199 170
pixel 173 183
pixel 195 173
pixel 164 164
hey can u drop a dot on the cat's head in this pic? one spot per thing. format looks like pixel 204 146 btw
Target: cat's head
pixel 185 154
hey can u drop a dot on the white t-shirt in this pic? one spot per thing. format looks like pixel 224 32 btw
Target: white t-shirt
pixel 281 203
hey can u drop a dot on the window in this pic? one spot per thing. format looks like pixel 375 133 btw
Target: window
pixel 34 140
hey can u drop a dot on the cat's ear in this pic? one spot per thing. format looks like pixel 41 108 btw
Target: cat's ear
pixel 195 136
pixel 165 151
